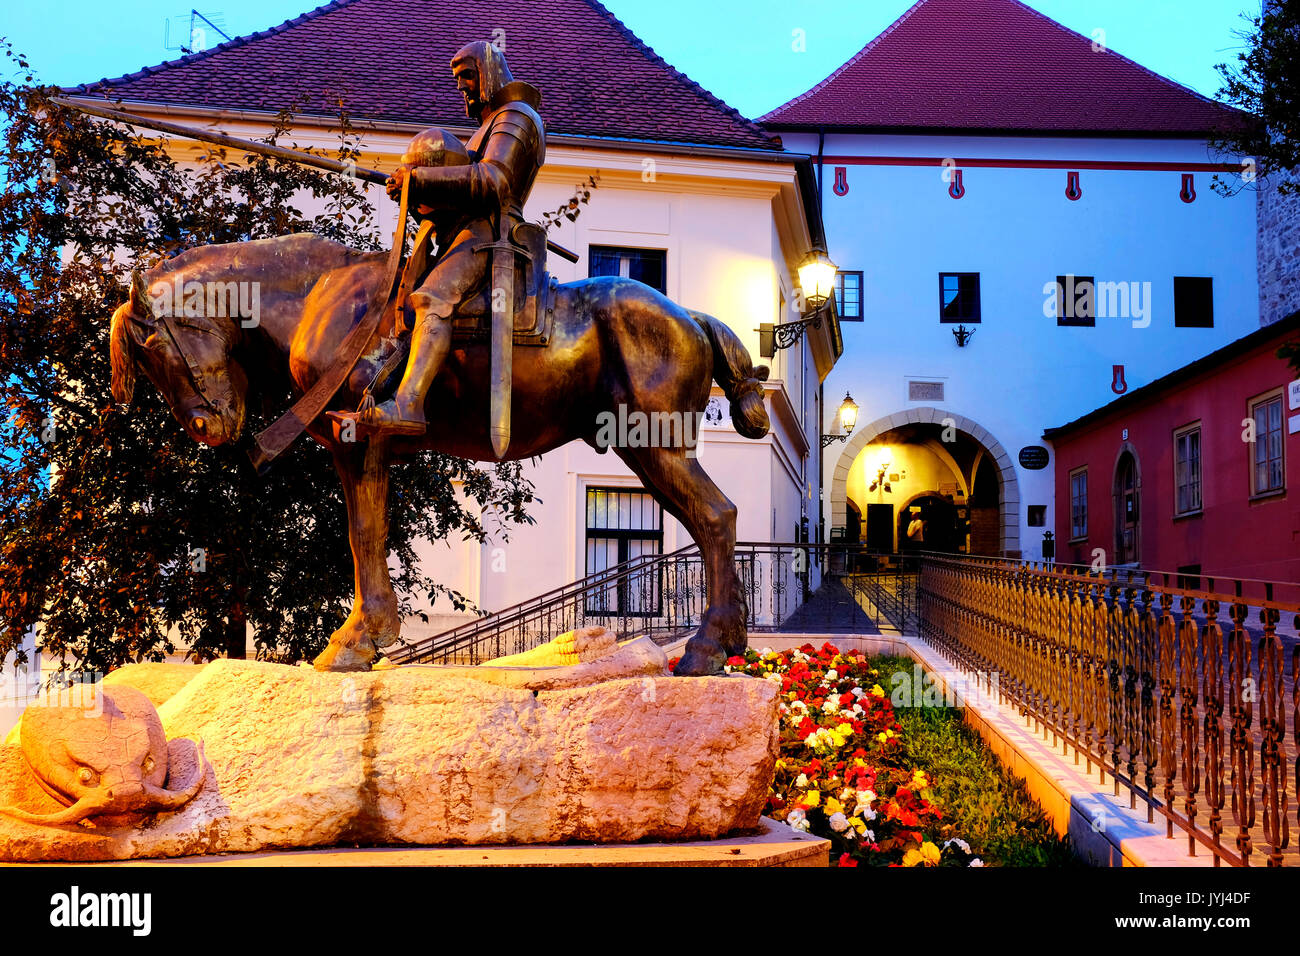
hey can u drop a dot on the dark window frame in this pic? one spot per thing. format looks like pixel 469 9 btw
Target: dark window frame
pixel 971 317
pixel 1267 399
pixel 1197 308
pixel 1078 532
pixel 1193 507
pixel 845 314
pixel 1075 321
pixel 630 252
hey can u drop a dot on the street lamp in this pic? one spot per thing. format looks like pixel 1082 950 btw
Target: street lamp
pixel 817 285
pixel 848 416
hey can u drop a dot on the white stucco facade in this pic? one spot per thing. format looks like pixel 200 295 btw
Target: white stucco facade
pixel 1014 225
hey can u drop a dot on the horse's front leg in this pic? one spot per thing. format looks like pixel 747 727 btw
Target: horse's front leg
pixel 374 621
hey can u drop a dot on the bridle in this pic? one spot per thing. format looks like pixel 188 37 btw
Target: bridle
pixel 194 370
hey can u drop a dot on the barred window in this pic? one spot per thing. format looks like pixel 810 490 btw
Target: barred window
pixel 622 524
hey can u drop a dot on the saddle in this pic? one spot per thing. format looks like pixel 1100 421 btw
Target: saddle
pixel 534 311
pixel 534 305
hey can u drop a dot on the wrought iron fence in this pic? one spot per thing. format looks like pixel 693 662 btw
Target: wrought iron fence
pixel 787 586
pixel 1136 673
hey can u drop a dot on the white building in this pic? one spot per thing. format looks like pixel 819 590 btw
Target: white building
pixel 691 197
pixel 969 156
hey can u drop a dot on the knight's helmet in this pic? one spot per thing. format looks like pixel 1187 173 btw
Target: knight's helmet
pixel 493 72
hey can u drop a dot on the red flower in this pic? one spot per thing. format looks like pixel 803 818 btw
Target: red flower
pixel 736 661
pixel 846 860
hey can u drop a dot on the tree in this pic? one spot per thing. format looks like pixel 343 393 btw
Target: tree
pixel 115 527
pixel 1265 83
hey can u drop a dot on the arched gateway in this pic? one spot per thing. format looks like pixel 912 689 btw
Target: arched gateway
pixel 1008 489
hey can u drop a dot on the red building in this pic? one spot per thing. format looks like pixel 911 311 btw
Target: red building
pixel 1197 472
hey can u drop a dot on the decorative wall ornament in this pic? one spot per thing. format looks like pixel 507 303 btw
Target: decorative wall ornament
pixel 1073 191
pixel 955 187
pixel 841 186
pixel 1117 383
pixel 1188 192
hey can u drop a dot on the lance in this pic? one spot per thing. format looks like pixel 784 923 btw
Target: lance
pixel 250 146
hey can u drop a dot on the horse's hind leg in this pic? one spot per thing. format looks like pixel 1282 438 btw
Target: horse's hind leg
pixel 374 621
pixel 689 495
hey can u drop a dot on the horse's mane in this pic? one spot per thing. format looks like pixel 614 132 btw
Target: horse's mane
pixel 283 265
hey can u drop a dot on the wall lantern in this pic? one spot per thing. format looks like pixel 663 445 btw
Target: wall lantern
pixel 817 283
pixel 848 416
pixel 962 335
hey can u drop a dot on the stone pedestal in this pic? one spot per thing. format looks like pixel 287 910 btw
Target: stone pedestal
pixel 437 756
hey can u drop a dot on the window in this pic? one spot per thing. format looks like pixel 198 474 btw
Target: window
pixel 1268 464
pixel 1193 302
pixel 1076 300
pixel 645 265
pixel 1187 470
pixel 848 295
pixel 959 297
pixel 1038 516
pixel 1078 504
pixel 622 524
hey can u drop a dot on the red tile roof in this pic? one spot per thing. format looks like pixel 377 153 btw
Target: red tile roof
pixel 390 58
pixel 996 65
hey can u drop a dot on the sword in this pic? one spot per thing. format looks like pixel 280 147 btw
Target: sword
pixel 502 336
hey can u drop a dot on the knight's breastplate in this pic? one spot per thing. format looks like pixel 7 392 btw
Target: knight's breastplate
pixel 526 149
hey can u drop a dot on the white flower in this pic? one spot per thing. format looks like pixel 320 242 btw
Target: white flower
pixel 858 692
pixel 869 835
pixel 801 780
pixel 977 862
pixel 797 820
pixel 765 651
pixel 961 844
pixel 774 677
pixel 831 706
pixel 832 674
pixel 857 709
pixel 839 822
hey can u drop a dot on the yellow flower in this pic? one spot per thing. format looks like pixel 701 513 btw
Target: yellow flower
pixel 858 824
pixel 833 806
pixel 927 854
pixel 876 691
pixel 812 798
pixel 881 736
pixel 845 729
pixel 919 780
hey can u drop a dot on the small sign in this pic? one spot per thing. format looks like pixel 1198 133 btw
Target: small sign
pixel 1033 457
pixel 1293 424
pixel 1293 394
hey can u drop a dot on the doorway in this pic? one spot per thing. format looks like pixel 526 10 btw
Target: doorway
pixel 1126 509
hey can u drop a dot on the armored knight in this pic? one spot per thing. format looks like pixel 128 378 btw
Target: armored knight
pixel 487 196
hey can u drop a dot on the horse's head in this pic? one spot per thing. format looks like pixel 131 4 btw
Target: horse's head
pixel 187 356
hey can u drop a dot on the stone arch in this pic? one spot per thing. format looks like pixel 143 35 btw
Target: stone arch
pixel 1126 447
pixel 1009 486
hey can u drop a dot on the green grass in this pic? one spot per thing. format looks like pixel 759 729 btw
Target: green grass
pixel 986 805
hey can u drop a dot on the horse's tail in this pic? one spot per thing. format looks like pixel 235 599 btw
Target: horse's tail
pixel 741 380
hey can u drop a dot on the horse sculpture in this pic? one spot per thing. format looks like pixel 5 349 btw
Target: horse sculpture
pixel 613 342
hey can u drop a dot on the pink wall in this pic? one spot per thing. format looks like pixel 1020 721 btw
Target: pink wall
pixel 1233 536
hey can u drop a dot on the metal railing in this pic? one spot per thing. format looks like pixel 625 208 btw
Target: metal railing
pixel 787 586
pixel 1136 671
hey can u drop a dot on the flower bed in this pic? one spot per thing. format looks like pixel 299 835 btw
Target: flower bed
pixel 846 773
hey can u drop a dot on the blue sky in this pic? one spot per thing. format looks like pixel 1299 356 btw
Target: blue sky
pixel 715 42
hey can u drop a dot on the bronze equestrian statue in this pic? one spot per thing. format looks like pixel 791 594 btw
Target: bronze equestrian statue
pixel 542 360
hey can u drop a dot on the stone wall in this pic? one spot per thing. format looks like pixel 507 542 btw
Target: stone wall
pixel 1279 252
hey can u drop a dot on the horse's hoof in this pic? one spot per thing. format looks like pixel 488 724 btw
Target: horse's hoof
pixel 339 658
pixel 701 659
